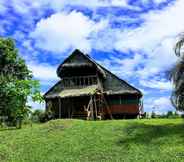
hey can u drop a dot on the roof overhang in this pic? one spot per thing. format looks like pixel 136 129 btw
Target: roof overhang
pixel 75 92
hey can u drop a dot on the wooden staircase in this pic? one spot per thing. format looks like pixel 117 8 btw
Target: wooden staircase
pixel 98 107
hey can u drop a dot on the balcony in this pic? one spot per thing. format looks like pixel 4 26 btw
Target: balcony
pixel 79 81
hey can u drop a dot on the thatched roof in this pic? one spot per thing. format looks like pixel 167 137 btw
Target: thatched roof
pixel 111 83
pixel 78 59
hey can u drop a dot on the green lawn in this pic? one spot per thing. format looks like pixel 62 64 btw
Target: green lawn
pixel 154 140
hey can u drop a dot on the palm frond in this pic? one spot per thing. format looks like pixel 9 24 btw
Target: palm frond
pixel 179 45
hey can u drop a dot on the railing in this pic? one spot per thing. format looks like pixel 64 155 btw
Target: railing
pixel 80 81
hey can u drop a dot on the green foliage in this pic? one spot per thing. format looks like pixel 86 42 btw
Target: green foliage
pixel 46 116
pixel 16 83
pixel 41 116
pixel 173 115
pixel 151 140
pixel 153 114
pixel 35 115
pixel 169 114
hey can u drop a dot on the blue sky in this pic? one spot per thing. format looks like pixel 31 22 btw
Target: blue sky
pixel 132 38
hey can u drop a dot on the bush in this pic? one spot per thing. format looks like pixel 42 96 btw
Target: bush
pixel 153 114
pixel 171 114
pixel 182 115
pixel 35 116
pixel 41 116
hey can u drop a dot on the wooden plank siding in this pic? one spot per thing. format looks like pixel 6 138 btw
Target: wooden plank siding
pixel 123 104
pixel 125 108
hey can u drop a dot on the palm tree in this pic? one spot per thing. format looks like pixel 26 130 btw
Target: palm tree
pixel 177 76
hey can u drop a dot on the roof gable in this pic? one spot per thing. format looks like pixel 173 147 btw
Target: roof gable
pixel 78 59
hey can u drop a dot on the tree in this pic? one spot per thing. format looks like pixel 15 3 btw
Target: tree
pixel 153 114
pixel 16 83
pixel 170 114
pixel 177 76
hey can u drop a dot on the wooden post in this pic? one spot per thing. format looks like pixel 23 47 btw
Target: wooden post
pixel 89 109
pixel 68 107
pixel 87 81
pixel 95 107
pixel 92 109
pixel 59 107
pixel 107 106
pixel 71 111
pixel 80 81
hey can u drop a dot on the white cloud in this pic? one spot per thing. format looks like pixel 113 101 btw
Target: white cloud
pixel 160 1
pixel 123 3
pixel 21 6
pixel 43 72
pixel 157 84
pixel 60 4
pixel 27 44
pixel 3 7
pixel 157 2
pixel 18 35
pixel 128 65
pixel 123 67
pixel 144 91
pixel 155 37
pixel 162 104
pixel 35 105
pixel 26 7
pixel 162 101
pixel 63 31
pixel 158 105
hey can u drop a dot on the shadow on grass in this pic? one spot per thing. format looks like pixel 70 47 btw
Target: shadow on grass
pixel 140 133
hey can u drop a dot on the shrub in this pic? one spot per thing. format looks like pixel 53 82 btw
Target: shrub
pixel 41 116
pixel 35 116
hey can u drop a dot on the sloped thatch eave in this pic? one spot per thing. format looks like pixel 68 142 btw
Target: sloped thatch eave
pixel 122 92
pixel 73 92
pixel 83 91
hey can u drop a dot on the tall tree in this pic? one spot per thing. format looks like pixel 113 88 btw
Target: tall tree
pixel 177 76
pixel 16 83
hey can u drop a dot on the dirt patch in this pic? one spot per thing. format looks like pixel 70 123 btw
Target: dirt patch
pixel 3 157
pixel 55 125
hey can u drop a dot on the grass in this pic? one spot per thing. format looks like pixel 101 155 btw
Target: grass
pixel 154 140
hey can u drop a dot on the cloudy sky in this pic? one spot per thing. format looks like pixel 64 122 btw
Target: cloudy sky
pixel 132 38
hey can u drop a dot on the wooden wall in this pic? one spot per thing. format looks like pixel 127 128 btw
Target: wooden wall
pixel 120 106
pixel 124 105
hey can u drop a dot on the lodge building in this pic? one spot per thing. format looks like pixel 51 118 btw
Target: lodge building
pixel 87 90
